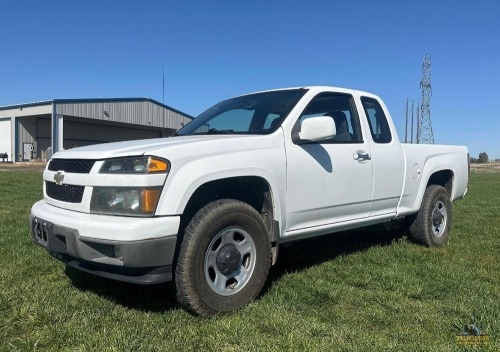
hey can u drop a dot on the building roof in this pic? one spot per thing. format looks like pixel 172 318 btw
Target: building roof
pixel 96 100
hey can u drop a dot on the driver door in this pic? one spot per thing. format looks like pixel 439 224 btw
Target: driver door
pixel 327 181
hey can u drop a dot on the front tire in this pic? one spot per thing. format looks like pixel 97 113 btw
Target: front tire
pixel 224 258
pixel 432 224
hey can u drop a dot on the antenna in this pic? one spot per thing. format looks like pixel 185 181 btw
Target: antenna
pixel 425 125
pixel 163 83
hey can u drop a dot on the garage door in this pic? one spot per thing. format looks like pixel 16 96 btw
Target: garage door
pixel 5 137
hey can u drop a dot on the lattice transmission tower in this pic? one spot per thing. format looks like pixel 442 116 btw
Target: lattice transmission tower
pixel 425 126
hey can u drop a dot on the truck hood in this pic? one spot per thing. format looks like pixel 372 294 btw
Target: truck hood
pixel 169 147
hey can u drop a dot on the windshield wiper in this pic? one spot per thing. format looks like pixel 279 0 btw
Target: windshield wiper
pixel 216 131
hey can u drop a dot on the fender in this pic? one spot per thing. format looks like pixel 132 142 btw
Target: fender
pixel 414 193
pixel 188 176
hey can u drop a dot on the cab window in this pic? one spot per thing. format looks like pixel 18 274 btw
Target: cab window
pixel 341 108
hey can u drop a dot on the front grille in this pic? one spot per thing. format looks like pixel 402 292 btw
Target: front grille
pixel 75 166
pixel 64 193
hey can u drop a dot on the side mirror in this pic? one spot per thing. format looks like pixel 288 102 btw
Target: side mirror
pixel 316 129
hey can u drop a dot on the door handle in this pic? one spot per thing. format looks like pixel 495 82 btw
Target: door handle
pixel 361 156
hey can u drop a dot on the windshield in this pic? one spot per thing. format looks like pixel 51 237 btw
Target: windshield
pixel 259 113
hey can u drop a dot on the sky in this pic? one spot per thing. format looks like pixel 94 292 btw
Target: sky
pixel 212 50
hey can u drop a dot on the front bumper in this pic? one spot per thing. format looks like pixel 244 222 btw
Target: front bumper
pixel 137 250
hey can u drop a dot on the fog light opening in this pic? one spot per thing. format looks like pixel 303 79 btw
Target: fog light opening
pixel 118 252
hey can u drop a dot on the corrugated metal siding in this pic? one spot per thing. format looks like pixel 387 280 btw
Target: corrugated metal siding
pixel 27 133
pixel 79 134
pixel 139 113
pixel 43 134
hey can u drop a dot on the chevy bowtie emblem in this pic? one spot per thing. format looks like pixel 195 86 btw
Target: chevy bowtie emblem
pixel 59 177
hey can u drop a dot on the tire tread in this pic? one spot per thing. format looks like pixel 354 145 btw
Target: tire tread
pixel 419 229
pixel 185 290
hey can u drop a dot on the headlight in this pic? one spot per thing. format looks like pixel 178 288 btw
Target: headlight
pixel 135 201
pixel 134 165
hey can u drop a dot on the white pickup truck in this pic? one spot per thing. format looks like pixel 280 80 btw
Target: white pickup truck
pixel 209 207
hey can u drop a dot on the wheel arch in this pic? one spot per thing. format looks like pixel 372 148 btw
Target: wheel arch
pixel 253 190
pixel 439 176
pixel 442 178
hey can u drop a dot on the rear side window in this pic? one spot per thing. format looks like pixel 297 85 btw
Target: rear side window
pixel 381 133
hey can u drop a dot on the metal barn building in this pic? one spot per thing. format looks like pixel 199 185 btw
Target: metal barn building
pixel 28 131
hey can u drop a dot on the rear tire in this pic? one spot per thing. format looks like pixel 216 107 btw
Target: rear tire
pixel 224 258
pixel 432 224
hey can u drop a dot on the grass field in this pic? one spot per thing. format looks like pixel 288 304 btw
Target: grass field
pixel 356 291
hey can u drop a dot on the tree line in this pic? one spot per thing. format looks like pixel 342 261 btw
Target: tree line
pixel 482 159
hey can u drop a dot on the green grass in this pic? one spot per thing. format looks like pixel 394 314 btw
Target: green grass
pixel 360 290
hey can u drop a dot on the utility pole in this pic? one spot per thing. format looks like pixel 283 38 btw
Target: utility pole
pixel 406 126
pixel 418 123
pixel 412 102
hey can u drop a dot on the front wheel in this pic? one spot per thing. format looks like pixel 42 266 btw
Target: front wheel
pixel 432 224
pixel 224 258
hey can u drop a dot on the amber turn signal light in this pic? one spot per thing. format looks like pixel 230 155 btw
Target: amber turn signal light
pixel 150 198
pixel 157 165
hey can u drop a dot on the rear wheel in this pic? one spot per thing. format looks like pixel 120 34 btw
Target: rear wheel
pixel 432 224
pixel 224 258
